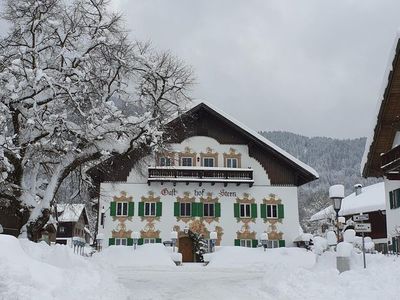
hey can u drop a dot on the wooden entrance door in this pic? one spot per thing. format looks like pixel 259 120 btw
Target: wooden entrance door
pixel 186 248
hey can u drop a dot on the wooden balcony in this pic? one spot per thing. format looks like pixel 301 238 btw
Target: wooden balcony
pixel 390 163
pixel 200 175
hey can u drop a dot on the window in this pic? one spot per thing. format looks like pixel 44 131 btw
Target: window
pixel 120 242
pixel 272 211
pixel 186 209
pixel 231 163
pixel 208 162
pixel 245 210
pixel 150 209
pixel 186 161
pixel 208 210
pixel 165 161
pixel 122 208
pixel 149 241
pixel 246 243
pixel 61 229
pixel 102 219
pixel 394 198
pixel 272 244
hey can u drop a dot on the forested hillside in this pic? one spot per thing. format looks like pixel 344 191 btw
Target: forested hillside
pixel 336 161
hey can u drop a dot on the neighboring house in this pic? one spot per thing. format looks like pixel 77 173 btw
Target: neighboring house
pixel 367 200
pixel 73 225
pixel 382 150
pixel 215 175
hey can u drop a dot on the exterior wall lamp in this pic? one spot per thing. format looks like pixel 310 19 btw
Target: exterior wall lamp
pixel 213 239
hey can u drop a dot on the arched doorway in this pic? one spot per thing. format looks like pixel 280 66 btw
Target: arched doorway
pixel 186 248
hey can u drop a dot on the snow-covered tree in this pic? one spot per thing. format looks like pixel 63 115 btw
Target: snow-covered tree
pixel 74 89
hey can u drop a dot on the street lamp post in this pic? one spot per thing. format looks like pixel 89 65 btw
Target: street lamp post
pixel 336 194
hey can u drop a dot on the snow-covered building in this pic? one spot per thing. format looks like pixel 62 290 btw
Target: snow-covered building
pixel 382 150
pixel 214 175
pixel 366 200
pixel 73 225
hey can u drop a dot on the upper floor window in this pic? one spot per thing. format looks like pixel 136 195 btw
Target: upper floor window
pixel 187 161
pixel 245 210
pixel 208 210
pixel 231 163
pixel 272 211
pixel 150 209
pixel 186 210
pixel 122 209
pixel 165 161
pixel 208 161
pixel 394 199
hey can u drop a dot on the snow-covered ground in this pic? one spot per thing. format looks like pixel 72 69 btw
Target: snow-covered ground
pixel 37 271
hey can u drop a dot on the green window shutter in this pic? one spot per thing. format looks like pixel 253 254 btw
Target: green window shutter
pixel 254 243
pixel 141 209
pixel 394 244
pixel 391 199
pixel 200 209
pixel 113 208
pixel 263 209
pixel 397 204
pixel 253 210
pixel 130 242
pixel 158 241
pixel 236 212
pixel 131 208
pixel 281 211
pixel 158 209
pixel 176 209
pixel 217 210
pixel 111 241
pixel 281 243
pixel 193 207
pixel 237 242
pixel 140 241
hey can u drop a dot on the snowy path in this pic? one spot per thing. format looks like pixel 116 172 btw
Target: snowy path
pixel 191 281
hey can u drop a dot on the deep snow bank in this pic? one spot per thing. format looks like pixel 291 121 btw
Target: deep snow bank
pixel 38 271
pixel 145 255
pixel 257 258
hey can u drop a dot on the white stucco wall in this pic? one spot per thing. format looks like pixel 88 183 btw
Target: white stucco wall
pixel 392 215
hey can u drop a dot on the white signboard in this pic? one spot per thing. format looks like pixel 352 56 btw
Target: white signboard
pixel 361 217
pixel 362 227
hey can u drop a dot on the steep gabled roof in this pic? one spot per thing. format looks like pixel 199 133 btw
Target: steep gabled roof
pixel 255 136
pixel 386 122
pixel 70 212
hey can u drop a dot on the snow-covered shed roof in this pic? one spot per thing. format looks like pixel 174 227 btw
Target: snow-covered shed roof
pixel 70 212
pixel 383 125
pixel 372 198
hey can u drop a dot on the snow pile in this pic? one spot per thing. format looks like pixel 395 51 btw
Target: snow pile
pixel 145 255
pixel 38 271
pixel 257 258
pixel 320 245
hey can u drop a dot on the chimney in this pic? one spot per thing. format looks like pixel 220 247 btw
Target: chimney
pixel 358 189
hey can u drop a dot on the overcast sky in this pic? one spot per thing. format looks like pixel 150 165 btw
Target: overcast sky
pixel 310 67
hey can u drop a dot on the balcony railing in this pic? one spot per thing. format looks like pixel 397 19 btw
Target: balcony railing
pixel 200 175
pixel 390 161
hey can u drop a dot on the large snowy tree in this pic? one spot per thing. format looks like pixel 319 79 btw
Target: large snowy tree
pixel 74 89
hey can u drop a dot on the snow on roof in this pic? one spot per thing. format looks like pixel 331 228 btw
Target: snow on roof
pixel 381 95
pixel 69 212
pixel 372 198
pixel 261 139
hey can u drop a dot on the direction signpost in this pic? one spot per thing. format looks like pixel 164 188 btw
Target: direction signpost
pixel 363 228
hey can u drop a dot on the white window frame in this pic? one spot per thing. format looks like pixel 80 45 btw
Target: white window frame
pixel 165 161
pixel 270 211
pixel 231 159
pixel 211 158
pixel 208 210
pixel 149 241
pixel 246 243
pixel 190 210
pixel 271 244
pixel 121 242
pixel 245 210
pixel 151 206
pixel 62 229
pixel 187 157
pixel 123 204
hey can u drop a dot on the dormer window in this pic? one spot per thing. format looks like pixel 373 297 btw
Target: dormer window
pixel 231 163
pixel 208 161
pixel 165 161
pixel 186 161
